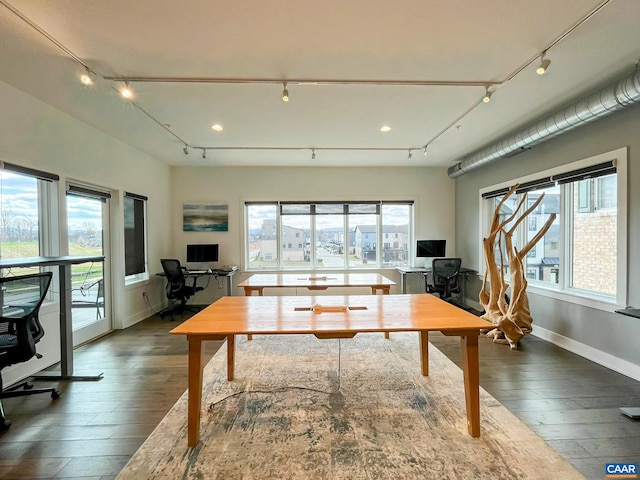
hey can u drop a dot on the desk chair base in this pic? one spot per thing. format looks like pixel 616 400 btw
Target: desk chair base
pixel 173 309
pixel 13 391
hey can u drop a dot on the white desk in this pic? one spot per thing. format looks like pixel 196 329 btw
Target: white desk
pixel 66 329
pixel 406 270
pixel 195 274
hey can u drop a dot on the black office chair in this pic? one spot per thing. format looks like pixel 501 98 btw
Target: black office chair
pixel 443 277
pixel 20 330
pixel 177 288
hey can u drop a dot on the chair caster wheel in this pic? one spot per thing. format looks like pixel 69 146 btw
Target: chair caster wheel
pixel 55 394
pixel 4 425
pixel 28 386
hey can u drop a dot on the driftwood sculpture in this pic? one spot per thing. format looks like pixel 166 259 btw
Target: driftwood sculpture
pixel 512 319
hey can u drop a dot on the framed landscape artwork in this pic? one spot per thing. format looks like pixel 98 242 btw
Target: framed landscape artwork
pixel 197 217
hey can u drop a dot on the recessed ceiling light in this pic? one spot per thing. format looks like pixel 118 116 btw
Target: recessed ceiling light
pixel 385 128
pixel 217 127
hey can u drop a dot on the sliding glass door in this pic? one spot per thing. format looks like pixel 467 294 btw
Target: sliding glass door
pixel 87 227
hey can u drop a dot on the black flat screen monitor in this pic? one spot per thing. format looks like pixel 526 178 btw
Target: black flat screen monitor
pixel 431 248
pixel 202 253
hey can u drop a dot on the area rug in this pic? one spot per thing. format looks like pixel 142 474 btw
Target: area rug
pixel 341 409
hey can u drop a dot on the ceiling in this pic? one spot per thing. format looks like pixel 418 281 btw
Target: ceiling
pixel 419 66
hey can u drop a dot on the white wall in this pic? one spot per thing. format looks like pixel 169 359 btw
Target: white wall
pixel 36 135
pixel 607 338
pixel 430 188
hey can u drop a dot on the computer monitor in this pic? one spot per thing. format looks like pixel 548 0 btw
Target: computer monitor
pixel 431 248
pixel 202 253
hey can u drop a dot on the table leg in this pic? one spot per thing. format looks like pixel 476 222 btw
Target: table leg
pixel 471 369
pixel 248 291
pixel 231 356
pixel 66 329
pixel 66 334
pixel 195 391
pixel 386 290
pixel 424 352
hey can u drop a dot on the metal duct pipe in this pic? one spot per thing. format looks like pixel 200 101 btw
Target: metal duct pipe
pixel 610 99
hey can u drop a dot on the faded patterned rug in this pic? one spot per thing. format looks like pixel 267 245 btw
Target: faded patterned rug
pixel 341 409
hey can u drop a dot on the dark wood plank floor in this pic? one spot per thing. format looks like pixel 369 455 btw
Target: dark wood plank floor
pixel 572 403
pixel 93 429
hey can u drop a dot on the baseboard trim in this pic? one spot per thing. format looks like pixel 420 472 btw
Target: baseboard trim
pixel 605 359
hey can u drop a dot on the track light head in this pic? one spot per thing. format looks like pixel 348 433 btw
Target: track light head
pixel 544 64
pixel 85 78
pixel 409 155
pixel 126 91
pixel 185 149
pixel 204 153
pixel 313 154
pixel 487 95
pixel 285 92
pixel 425 152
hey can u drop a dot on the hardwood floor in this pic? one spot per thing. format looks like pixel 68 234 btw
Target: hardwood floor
pixel 572 403
pixel 93 429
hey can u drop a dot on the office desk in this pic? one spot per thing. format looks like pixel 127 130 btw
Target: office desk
pixel 342 317
pixel 258 282
pixel 214 273
pixel 405 270
pixel 66 329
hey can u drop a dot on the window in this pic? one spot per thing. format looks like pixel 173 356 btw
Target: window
pixel 592 237
pixel 583 252
pixel 336 235
pixel 19 215
pixel 26 197
pixel 135 236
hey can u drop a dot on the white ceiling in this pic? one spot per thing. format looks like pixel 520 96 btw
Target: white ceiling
pixel 464 41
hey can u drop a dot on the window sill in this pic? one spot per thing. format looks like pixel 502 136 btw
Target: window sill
pixel 136 282
pixel 588 299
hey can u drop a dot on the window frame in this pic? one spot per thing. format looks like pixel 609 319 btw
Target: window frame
pixel 563 291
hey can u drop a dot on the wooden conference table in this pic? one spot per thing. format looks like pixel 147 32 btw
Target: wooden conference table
pixel 338 317
pixel 260 281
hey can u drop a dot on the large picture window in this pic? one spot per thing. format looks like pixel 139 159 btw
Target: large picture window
pixel 583 253
pixel 329 235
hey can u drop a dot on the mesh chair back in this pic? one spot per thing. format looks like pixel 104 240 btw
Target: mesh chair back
pixel 445 274
pixel 175 277
pixel 20 300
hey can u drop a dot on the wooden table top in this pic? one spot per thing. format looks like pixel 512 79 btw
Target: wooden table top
pixel 337 314
pixel 316 280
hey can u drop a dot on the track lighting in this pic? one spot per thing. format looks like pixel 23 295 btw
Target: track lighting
pixel 285 92
pixel 86 77
pixel 185 149
pixel 204 153
pixel 313 154
pixel 487 95
pixel 424 152
pixel 126 91
pixel 544 64
pixel 410 155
